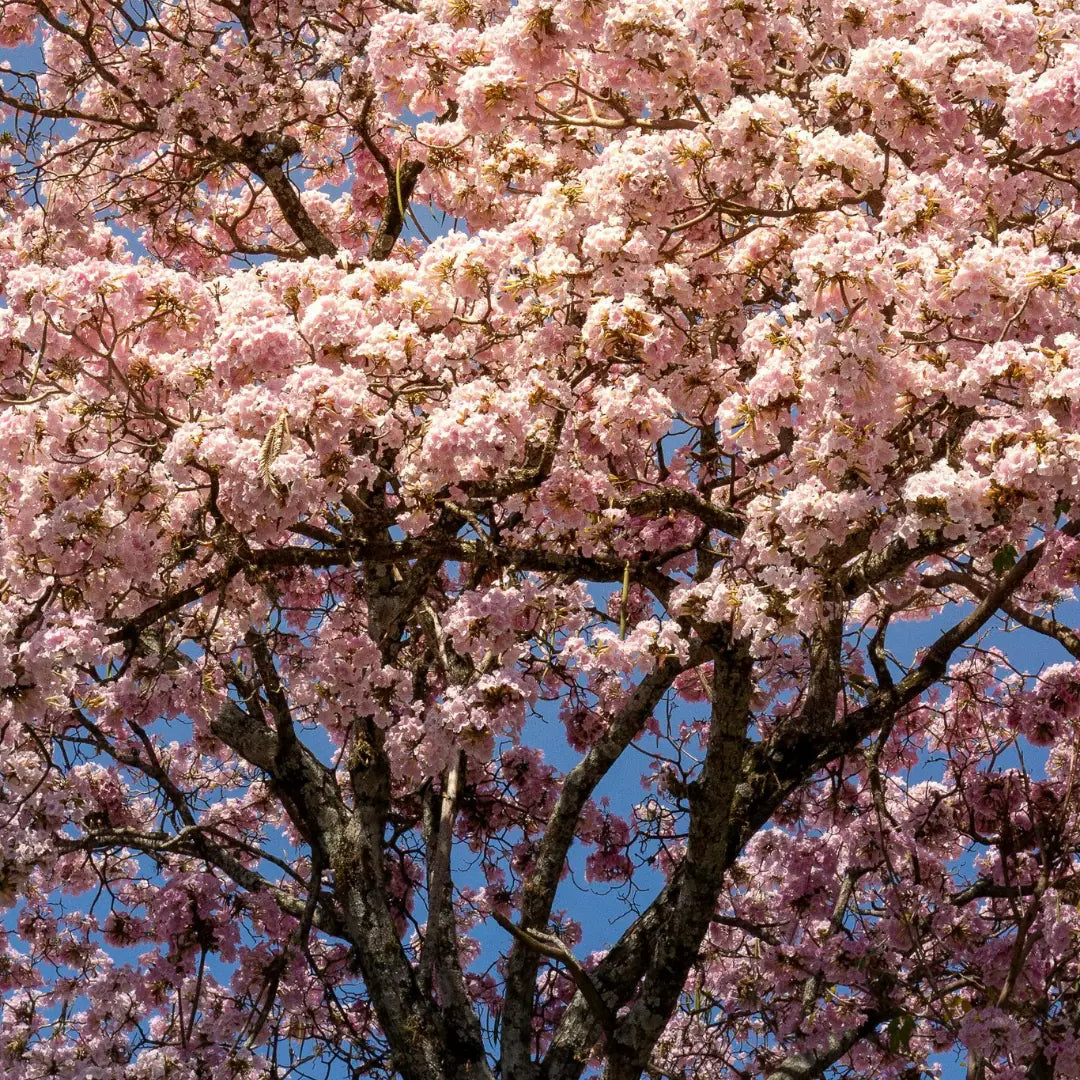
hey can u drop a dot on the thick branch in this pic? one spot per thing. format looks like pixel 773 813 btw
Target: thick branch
pixel 671 498
pixel 440 954
pixel 985 889
pixel 352 844
pixel 681 932
pixel 814 1063
pixel 265 156
pixel 776 768
pixel 401 182
pixel 305 786
pixel 538 893
pixel 550 946
pixel 427 552
pixel 615 979
pixel 873 567
pixel 1048 627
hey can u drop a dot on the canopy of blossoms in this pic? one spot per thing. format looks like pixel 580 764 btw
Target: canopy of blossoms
pixel 509 514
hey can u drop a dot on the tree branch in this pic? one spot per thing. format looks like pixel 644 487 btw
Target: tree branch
pixel 814 1063
pixel 550 946
pixel 265 155
pixel 401 179
pixel 540 886
pixel 1040 624
pixel 680 934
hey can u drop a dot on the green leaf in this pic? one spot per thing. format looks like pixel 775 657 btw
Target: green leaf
pixel 900 1030
pixel 1005 560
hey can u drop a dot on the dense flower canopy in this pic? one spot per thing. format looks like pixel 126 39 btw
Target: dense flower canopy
pixel 508 518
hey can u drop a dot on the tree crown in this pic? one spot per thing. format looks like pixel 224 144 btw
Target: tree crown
pixel 398 399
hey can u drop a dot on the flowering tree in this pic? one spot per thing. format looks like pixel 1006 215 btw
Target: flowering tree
pixel 352 578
